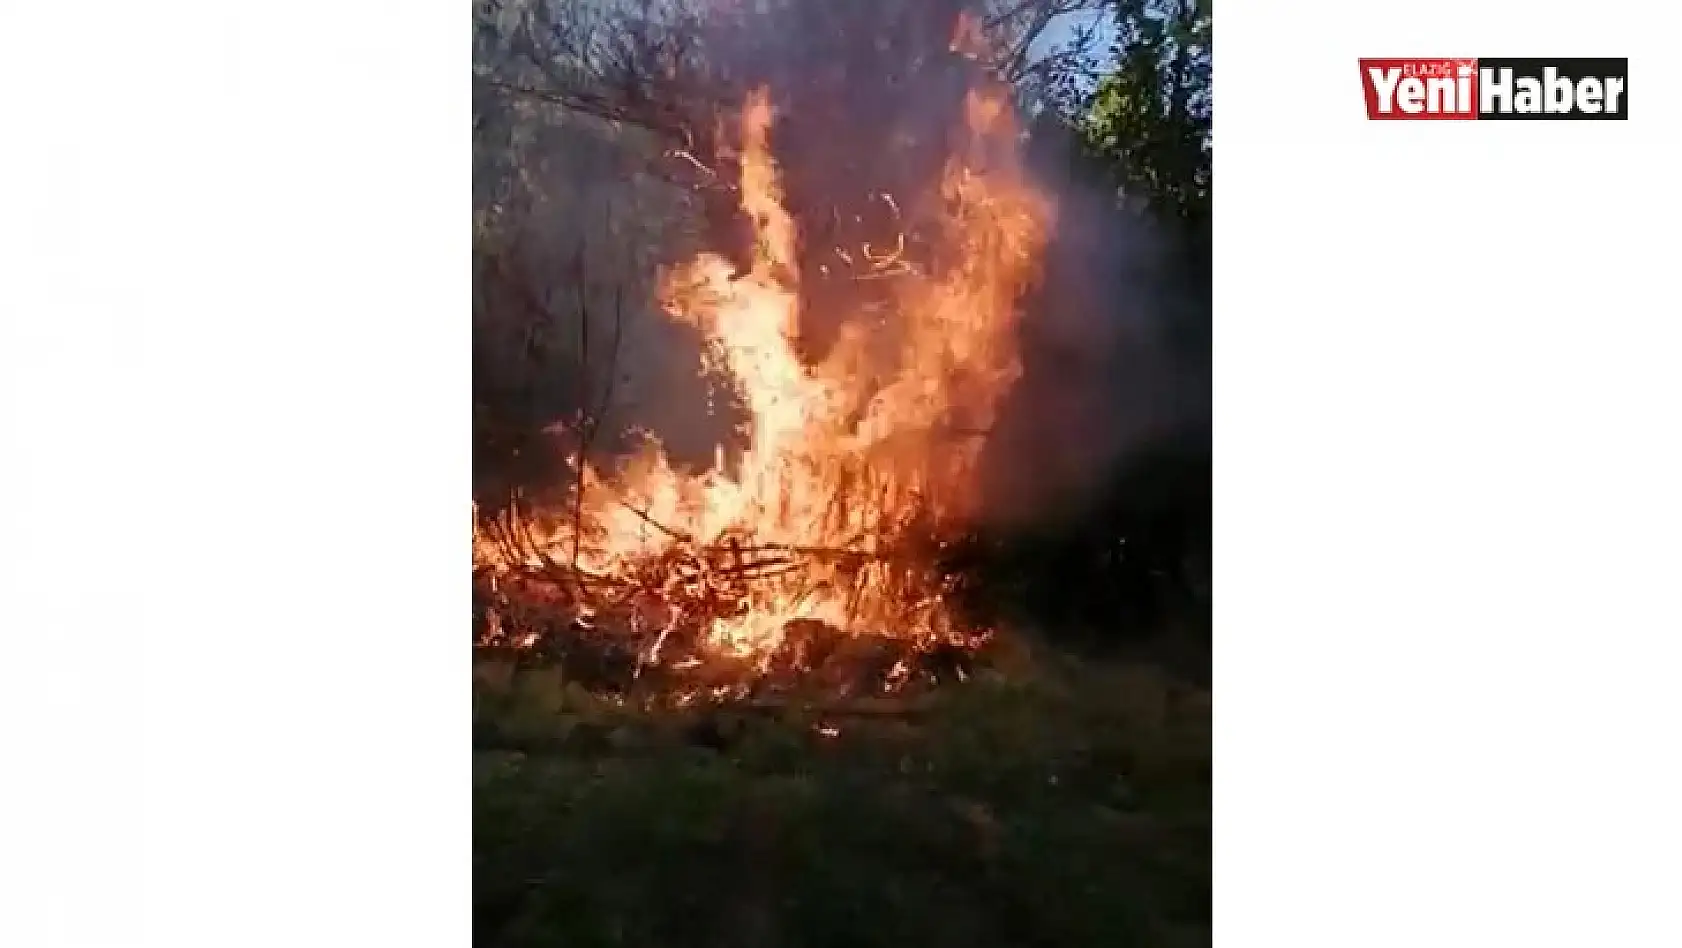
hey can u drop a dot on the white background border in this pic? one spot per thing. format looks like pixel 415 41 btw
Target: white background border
pixel 233 377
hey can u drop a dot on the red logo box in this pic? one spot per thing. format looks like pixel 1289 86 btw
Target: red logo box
pixel 1411 90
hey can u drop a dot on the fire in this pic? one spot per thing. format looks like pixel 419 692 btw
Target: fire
pixel 969 39
pixel 856 467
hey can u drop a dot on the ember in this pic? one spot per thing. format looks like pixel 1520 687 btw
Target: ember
pixel 815 552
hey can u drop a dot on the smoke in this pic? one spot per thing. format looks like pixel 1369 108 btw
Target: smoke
pixel 1114 350
pixel 867 95
pixel 1114 340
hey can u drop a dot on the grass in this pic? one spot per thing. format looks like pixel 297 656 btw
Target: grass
pixel 1058 804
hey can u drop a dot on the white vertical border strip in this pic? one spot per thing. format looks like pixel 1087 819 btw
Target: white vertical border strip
pixel 234 463
pixel 1448 452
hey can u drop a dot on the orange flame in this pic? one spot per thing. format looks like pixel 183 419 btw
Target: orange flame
pixel 840 455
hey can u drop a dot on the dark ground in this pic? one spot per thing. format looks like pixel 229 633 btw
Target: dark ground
pixel 1047 801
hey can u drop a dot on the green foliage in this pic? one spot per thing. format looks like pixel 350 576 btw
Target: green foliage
pixel 1149 119
pixel 1066 806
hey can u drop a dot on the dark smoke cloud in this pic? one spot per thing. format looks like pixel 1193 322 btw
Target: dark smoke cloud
pixel 1116 363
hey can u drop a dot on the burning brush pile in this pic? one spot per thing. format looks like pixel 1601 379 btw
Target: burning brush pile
pixel 813 556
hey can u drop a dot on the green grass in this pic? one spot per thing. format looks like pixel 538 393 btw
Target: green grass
pixel 1058 805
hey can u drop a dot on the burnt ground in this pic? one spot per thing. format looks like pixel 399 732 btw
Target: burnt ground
pixel 1040 801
